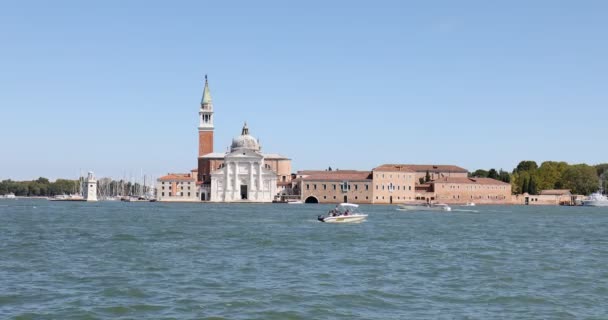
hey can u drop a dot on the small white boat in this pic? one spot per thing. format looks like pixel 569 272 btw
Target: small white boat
pixel 425 207
pixel 469 204
pixel 8 196
pixel 295 202
pixel 343 213
pixel 596 200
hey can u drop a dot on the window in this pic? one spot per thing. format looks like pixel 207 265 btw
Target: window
pixel 356 197
pixel 334 187
pixel 188 194
pixel 356 188
pixel 376 187
pixel 324 197
pixel 170 194
pixel 163 194
pixel 182 194
pixel 324 187
pixel 307 187
pixel 163 188
pixel 410 188
pixel 366 197
pixel 334 197
pixel 314 186
pixel 188 188
pixel 367 187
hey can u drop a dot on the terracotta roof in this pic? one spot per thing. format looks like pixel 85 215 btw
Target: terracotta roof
pixel 556 192
pixel 430 167
pixel 486 181
pixel 177 177
pixel 394 168
pixel 338 175
pixel 194 170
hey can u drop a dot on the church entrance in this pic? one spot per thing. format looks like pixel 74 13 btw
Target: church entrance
pixel 243 192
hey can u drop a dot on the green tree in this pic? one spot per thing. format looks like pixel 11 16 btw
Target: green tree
pixel 581 179
pixel 427 177
pixel 421 180
pixel 526 165
pixel 525 188
pixel 493 174
pixel 549 175
pixel 532 186
pixel 504 176
pixel 480 173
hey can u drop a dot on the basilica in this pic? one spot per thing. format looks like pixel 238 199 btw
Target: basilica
pixel 242 174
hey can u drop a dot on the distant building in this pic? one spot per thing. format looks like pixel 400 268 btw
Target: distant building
pixel 550 197
pixel 395 183
pixel 177 187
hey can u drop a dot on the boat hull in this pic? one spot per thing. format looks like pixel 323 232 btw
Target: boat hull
pixel 595 203
pixel 344 219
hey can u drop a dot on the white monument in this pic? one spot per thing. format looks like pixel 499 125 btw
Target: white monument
pixel 90 187
pixel 243 176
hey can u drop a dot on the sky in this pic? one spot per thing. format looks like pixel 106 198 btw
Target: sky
pixel 115 86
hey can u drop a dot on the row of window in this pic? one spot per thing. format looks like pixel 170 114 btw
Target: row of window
pixel 179 182
pixel 181 194
pixel 405 176
pixel 343 186
pixel 391 187
pixel 182 188
pixel 478 187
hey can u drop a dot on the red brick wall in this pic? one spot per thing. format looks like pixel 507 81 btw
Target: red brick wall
pixel 205 142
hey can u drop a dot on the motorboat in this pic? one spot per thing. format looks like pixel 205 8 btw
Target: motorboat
pixel 596 200
pixel 425 207
pixel 8 196
pixel 343 213
pixel 64 197
pixel 295 202
pixel 469 204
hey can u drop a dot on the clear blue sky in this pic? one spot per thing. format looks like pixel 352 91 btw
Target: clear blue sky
pixel 351 84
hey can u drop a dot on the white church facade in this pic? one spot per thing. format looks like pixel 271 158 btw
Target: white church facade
pixel 243 177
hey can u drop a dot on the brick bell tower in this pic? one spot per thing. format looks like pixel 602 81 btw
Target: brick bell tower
pixel 205 132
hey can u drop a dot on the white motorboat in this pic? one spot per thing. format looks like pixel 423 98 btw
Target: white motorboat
pixel 596 200
pixel 295 202
pixel 425 207
pixel 469 204
pixel 343 213
pixel 8 196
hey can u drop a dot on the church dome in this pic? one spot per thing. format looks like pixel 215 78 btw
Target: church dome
pixel 245 141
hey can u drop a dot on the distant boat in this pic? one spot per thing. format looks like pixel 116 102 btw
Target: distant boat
pixel 295 202
pixel 596 200
pixel 8 196
pixel 425 207
pixel 469 204
pixel 70 197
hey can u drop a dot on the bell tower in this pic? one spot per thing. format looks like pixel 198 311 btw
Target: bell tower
pixel 205 126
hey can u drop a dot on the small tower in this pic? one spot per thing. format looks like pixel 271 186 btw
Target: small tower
pixel 90 189
pixel 205 126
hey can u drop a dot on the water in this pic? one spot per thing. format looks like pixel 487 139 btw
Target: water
pixel 62 260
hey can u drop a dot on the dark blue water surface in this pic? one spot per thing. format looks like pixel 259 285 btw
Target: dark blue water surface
pixel 61 260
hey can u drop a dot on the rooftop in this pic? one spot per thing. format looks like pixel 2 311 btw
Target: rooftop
pixel 394 168
pixel 461 180
pixel 429 167
pixel 177 177
pixel 337 175
pixel 556 192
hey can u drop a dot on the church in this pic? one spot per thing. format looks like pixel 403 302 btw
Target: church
pixel 244 174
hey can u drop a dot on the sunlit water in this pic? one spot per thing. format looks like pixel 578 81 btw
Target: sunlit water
pixel 62 260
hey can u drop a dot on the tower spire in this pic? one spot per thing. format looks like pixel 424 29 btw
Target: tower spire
pixel 245 129
pixel 206 94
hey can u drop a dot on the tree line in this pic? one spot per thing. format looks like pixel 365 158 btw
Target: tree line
pixel 529 177
pixel 42 187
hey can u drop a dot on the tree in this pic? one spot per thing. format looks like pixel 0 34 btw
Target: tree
pixel 532 186
pixel 526 165
pixel 493 174
pixel 421 180
pixel 549 175
pixel 480 173
pixel 525 186
pixel 329 169
pixel 504 176
pixel 427 177
pixel 581 179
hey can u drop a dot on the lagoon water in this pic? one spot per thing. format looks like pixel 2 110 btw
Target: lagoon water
pixel 61 260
